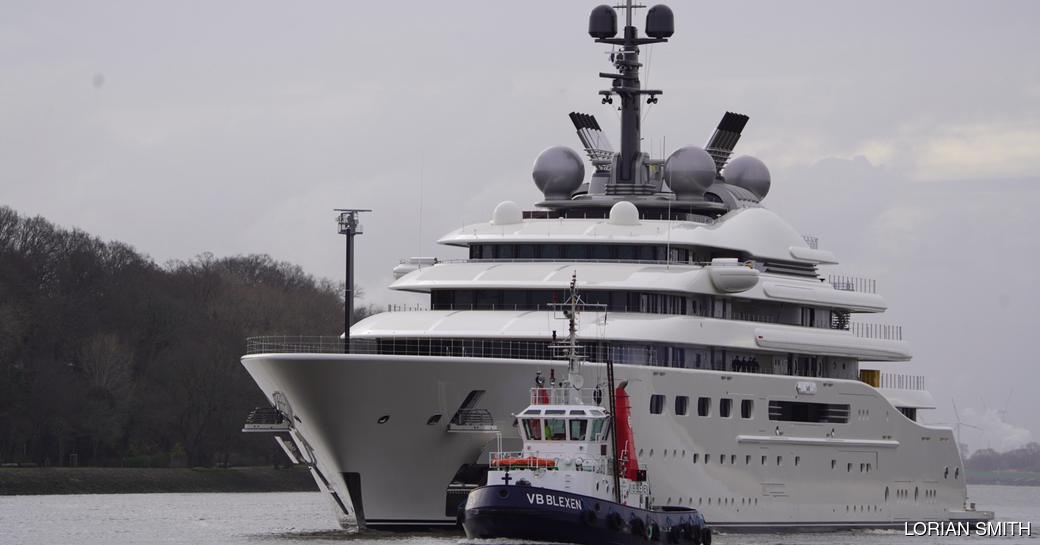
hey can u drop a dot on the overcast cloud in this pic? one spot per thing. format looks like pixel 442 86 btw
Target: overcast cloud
pixel 903 134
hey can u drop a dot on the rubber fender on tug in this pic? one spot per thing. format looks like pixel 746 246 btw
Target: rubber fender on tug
pixel 675 533
pixel 705 536
pixel 637 526
pixel 653 532
pixel 614 521
pixel 588 517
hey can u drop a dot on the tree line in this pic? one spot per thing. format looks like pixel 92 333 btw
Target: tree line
pixel 109 359
pixel 1025 458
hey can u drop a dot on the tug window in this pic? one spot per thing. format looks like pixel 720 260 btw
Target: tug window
pixel 533 428
pixel 555 429
pixel 597 427
pixel 578 428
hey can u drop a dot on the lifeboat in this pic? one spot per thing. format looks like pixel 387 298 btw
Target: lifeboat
pixel 528 462
pixel 730 276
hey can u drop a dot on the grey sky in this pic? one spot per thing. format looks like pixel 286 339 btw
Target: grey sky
pixel 903 134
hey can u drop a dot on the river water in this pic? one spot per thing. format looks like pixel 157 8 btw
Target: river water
pixel 306 518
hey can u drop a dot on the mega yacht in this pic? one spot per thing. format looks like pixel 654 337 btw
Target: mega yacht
pixel 752 370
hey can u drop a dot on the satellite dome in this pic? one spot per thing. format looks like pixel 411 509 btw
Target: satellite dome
pixel 750 173
pixel 690 171
pixel 624 213
pixel 507 213
pixel 603 22
pixel 558 172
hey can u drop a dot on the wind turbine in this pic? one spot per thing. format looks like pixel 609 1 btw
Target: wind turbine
pixel 957 427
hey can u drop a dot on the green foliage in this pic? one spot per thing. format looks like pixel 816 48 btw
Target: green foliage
pixel 109 356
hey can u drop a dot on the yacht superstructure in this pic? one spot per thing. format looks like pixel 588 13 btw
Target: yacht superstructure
pixel 745 364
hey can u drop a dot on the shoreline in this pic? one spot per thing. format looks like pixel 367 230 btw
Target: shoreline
pixel 116 480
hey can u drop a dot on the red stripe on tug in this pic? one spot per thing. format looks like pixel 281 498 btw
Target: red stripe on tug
pixel 625 440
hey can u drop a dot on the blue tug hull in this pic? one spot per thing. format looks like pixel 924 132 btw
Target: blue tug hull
pixel 540 514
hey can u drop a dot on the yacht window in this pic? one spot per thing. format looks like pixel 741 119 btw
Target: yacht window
pixel 703 406
pixel 626 252
pixel 656 404
pixel 514 299
pixel 463 299
pixel 600 251
pixel 800 411
pixel 555 429
pixel 746 406
pixel 526 251
pixel 575 251
pixel 725 405
pixel 505 251
pixel 682 405
pixel 551 251
pixel 533 428
pixel 579 426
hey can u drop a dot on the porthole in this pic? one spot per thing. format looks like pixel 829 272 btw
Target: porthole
pixel 383 419
pixel 433 420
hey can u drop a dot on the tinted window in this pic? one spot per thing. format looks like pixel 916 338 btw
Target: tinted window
pixel 597 427
pixel 746 406
pixel 526 251
pixel 656 404
pixel 578 428
pixel 682 404
pixel 575 251
pixel 703 406
pixel 725 405
pixel 533 428
pixel 555 429
pixel 797 411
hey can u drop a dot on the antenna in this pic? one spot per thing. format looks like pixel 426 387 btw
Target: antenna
pixel 569 348
pixel 660 25
pixel 349 225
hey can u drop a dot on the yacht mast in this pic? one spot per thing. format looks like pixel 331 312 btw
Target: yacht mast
pixel 627 177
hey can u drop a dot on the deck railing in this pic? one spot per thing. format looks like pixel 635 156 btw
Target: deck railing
pixel 866 330
pixel 896 381
pixel 444 346
pixel 852 283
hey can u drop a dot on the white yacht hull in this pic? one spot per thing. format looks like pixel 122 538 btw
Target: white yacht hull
pixel 878 470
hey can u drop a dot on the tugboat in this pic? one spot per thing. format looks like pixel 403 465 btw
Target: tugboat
pixel 577 479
